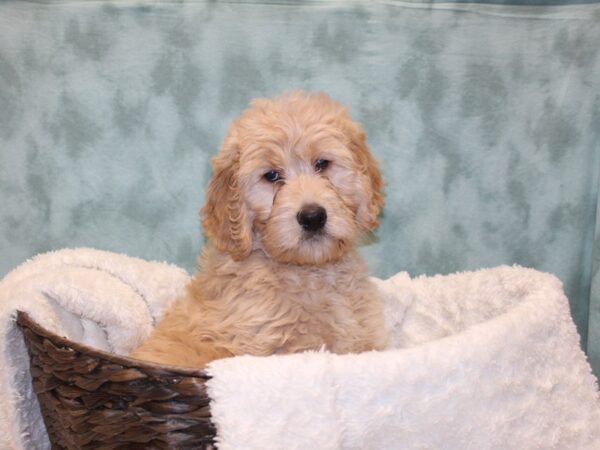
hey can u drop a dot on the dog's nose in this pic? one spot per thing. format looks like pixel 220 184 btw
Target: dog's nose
pixel 312 217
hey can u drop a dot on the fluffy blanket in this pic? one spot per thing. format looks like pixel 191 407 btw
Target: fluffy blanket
pixel 102 299
pixel 478 360
pixel 485 360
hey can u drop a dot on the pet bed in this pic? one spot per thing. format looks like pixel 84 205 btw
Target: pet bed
pixel 486 360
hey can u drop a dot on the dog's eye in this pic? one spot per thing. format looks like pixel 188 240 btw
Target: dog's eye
pixel 272 176
pixel 321 165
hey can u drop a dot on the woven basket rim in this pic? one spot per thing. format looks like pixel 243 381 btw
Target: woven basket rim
pixel 25 320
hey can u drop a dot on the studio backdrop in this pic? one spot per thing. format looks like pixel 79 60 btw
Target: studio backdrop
pixel 485 118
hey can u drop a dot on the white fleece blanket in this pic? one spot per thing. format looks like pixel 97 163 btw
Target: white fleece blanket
pixel 102 299
pixel 479 360
pixel 482 360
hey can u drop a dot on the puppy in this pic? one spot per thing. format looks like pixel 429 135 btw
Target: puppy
pixel 293 187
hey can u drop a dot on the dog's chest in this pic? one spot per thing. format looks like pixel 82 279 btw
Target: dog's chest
pixel 270 308
pixel 298 310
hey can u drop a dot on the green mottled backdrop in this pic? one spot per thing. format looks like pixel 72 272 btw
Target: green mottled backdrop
pixel 485 117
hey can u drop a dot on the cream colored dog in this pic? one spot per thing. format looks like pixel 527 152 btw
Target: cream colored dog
pixel 293 187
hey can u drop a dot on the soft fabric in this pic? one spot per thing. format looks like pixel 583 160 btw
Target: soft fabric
pixel 492 361
pixel 102 299
pixel 486 360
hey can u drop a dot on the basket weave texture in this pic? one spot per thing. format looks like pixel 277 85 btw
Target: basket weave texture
pixel 91 399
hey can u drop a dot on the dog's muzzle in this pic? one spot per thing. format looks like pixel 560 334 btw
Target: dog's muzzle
pixel 312 218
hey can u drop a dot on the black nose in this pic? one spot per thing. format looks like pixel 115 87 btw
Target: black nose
pixel 312 217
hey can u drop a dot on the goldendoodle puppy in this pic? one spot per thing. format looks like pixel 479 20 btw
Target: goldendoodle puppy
pixel 293 187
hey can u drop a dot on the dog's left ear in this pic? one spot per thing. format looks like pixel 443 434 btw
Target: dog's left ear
pixel 225 217
pixel 370 195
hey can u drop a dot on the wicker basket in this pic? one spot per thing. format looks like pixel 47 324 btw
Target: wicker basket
pixel 91 399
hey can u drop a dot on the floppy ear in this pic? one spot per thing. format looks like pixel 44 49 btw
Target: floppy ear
pixel 225 217
pixel 370 196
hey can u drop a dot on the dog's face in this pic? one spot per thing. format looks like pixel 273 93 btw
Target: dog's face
pixel 294 178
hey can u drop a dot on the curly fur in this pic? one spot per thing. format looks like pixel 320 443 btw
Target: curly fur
pixel 265 285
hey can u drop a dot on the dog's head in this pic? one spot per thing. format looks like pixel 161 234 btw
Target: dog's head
pixel 295 178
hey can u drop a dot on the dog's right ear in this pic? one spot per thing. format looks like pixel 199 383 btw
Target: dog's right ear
pixel 225 217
